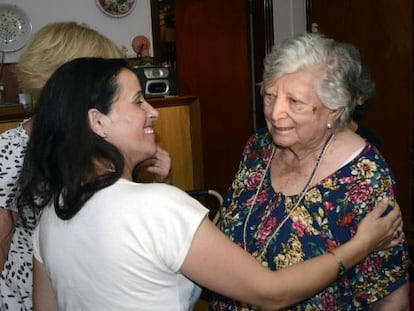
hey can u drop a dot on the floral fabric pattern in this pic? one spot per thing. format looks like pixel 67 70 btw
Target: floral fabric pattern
pixel 326 217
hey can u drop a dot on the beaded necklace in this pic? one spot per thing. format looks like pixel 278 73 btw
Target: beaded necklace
pixel 301 196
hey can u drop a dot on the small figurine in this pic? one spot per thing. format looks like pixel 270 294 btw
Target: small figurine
pixel 141 45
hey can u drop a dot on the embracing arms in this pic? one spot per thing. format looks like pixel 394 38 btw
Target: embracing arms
pixel 215 262
pixel 220 265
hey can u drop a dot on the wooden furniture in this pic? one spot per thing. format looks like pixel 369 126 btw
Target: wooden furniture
pixel 178 131
pixel 11 115
pixel 9 81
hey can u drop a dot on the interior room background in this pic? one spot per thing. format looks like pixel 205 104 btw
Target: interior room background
pixel 220 47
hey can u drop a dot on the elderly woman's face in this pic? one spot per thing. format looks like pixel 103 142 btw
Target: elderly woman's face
pixel 293 111
pixel 129 124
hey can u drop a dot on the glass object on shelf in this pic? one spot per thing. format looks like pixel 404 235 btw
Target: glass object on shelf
pixel 24 99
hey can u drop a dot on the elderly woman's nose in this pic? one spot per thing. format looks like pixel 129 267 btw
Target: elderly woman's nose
pixel 279 107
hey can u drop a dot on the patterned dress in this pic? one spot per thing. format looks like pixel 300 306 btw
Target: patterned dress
pixel 327 217
pixel 16 277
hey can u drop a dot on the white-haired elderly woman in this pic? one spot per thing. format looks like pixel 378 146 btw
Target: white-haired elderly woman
pixel 305 182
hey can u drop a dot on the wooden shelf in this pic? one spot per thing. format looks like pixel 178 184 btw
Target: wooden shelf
pixel 13 112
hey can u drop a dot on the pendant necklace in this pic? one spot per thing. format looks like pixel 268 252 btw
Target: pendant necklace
pixel 301 196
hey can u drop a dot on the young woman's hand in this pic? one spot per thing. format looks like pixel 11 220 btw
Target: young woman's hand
pixel 380 232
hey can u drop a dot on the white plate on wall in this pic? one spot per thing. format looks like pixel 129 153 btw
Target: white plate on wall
pixel 116 8
pixel 15 27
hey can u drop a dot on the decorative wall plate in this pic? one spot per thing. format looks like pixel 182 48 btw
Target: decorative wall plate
pixel 15 27
pixel 116 8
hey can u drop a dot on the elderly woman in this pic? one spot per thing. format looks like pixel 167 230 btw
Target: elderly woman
pixel 305 182
pixel 104 242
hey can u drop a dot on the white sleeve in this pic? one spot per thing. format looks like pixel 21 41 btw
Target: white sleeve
pixel 171 225
pixel 36 248
pixel 181 227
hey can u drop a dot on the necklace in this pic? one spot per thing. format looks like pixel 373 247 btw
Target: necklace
pixel 301 196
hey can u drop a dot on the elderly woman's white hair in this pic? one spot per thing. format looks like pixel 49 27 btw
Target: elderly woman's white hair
pixel 338 69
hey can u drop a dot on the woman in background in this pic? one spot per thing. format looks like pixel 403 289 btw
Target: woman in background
pixel 50 47
pixel 365 91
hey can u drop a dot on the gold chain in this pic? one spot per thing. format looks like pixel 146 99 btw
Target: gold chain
pixel 302 195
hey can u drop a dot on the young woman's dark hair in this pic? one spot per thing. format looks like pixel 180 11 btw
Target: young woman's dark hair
pixel 53 169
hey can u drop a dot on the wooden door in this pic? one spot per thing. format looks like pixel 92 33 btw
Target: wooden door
pixel 383 30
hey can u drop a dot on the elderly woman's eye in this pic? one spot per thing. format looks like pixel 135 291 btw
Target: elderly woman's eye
pixel 299 106
pixel 269 98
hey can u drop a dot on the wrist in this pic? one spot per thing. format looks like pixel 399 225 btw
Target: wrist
pixel 341 267
pixel 351 253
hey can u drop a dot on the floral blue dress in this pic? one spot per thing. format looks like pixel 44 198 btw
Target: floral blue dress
pixel 327 216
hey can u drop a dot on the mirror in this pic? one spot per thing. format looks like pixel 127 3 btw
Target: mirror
pixel 163 32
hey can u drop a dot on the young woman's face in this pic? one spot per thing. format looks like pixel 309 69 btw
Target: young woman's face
pixel 293 111
pixel 130 121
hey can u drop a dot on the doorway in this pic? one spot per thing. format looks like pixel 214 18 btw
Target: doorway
pixel 383 31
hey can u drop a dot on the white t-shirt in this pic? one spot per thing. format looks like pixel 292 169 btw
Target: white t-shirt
pixel 123 250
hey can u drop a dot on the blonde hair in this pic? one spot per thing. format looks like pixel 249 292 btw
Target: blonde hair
pixel 55 44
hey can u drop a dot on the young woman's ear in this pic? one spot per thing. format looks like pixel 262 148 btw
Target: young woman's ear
pixel 97 122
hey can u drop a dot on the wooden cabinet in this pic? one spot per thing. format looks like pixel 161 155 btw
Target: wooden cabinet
pixel 178 131
pixel 8 125
pixel 11 116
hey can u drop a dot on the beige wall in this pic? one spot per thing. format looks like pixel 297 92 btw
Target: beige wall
pixel 120 30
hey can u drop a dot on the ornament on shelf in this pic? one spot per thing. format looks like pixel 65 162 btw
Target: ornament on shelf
pixel 141 45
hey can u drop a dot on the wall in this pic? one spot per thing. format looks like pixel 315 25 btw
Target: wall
pixel 120 30
pixel 289 18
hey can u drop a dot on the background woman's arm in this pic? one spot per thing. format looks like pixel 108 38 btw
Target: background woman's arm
pixel 396 301
pixel 7 225
pixel 43 294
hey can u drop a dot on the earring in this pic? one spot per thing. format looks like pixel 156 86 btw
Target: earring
pixel 329 125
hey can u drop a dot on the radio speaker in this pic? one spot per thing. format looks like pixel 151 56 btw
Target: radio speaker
pixel 157 81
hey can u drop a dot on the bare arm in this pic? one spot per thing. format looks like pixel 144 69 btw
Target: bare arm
pixel 396 301
pixel 7 226
pixel 43 294
pixel 217 263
